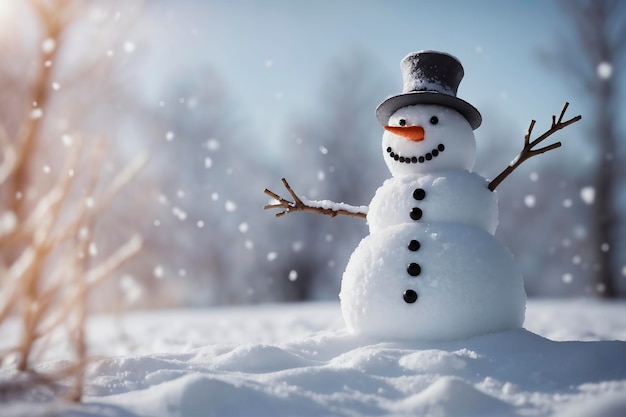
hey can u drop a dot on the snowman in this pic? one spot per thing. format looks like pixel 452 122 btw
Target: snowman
pixel 430 268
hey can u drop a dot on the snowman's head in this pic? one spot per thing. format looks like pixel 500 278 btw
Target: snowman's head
pixel 427 138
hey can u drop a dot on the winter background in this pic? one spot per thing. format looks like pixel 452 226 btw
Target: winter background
pixel 222 99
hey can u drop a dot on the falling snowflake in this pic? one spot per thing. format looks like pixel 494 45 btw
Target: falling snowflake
pixel 8 222
pixel 293 275
pixel 48 45
pixel 212 145
pixel 530 201
pixel 67 140
pixel 605 70
pixel 36 114
pixel 179 213
pixel 588 194
pixel 230 206
pixel 93 249
pixel 158 271
pixel 131 289
pixel 129 47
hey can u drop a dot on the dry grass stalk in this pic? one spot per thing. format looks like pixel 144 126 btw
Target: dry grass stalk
pixel 48 283
pixel 43 280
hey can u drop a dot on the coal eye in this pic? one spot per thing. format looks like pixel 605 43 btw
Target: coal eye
pixel 434 120
pixel 402 122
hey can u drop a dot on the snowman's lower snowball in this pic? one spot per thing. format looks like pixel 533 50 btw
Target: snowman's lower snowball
pixel 468 284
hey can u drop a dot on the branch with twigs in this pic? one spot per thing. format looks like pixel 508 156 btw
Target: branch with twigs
pixel 528 151
pixel 310 206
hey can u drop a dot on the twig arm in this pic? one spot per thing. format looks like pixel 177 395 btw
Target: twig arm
pixel 319 207
pixel 528 151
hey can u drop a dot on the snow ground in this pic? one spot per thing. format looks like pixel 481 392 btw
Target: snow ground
pixel 296 360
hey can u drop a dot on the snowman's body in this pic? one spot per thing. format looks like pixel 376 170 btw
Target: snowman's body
pixel 431 268
pixel 466 282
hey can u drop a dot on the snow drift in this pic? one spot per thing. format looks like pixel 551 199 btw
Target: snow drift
pixel 297 360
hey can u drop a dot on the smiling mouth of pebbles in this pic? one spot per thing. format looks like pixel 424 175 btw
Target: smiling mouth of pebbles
pixel 417 159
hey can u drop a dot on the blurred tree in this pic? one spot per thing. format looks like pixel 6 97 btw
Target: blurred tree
pixel 594 65
pixel 208 176
pixel 335 155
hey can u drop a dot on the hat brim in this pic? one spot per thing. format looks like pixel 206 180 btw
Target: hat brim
pixel 392 104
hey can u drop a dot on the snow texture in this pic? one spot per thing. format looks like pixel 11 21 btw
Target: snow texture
pixel 416 80
pixel 327 204
pixel 298 360
pixel 468 284
pixel 450 197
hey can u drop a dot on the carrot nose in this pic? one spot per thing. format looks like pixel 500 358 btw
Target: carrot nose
pixel 413 133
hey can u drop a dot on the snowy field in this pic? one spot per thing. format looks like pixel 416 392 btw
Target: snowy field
pixel 296 360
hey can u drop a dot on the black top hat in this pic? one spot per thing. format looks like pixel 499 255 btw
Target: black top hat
pixel 430 77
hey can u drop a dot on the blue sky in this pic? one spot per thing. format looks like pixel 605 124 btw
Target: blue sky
pixel 274 53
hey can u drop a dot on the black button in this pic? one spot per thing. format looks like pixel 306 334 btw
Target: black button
pixel 414 245
pixel 414 269
pixel 416 213
pixel 410 296
pixel 419 194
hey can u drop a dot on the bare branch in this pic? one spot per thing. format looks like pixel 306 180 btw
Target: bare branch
pixel 528 151
pixel 311 206
pixel 529 132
